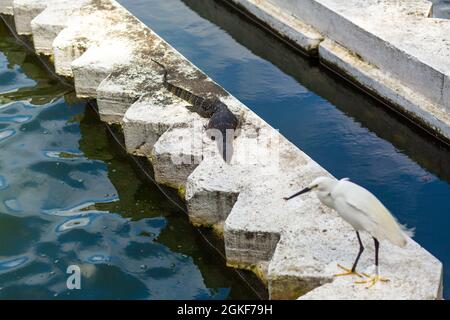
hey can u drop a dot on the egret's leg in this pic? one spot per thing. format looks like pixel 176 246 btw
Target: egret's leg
pixel 375 278
pixel 352 271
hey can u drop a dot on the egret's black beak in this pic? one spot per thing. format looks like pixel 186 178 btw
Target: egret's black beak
pixel 307 189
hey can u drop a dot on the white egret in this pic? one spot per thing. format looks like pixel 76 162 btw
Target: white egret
pixel 364 212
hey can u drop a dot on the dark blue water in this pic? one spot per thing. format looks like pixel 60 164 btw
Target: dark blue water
pixel 68 196
pixel 441 9
pixel 348 133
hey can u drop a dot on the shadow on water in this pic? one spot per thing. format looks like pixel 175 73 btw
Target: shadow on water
pixel 37 87
pixel 371 114
pixel 69 195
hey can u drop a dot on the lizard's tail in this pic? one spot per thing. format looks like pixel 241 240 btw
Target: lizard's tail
pixel 165 71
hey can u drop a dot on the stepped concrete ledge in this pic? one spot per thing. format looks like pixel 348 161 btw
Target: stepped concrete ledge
pixel 293 246
pixel 384 46
pixel 51 21
pixel 6 7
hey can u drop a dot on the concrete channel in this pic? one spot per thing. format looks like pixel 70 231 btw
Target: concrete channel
pixel 293 246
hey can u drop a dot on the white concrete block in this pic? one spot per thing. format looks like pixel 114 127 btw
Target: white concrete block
pixel 213 187
pixel 27 10
pixel 303 35
pixel 51 21
pixel 96 63
pixel 303 240
pixel 75 39
pixel 406 100
pixel 125 86
pixel 446 93
pixel 6 7
pixel 148 118
pixel 400 266
pixel 92 24
pixel 253 227
pixel 212 190
pixel 397 36
pixel 177 153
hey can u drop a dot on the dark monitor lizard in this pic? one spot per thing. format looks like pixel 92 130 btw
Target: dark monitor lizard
pixel 220 117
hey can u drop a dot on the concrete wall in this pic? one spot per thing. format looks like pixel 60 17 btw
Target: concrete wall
pixel 392 48
pixel 293 246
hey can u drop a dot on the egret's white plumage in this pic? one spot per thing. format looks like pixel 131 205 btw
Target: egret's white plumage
pixel 360 208
pixel 363 211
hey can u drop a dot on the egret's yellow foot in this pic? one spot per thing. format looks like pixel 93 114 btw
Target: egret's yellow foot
pixel 372 280
pixel 348 272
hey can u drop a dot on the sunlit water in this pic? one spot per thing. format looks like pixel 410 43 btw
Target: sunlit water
pixel 69 197
pixel 348 133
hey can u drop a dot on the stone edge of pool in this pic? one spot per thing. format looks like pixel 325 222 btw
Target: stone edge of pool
pixel 393 50
pixel 292 246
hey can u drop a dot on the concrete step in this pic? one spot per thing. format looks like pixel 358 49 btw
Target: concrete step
pixel 213 187
pixel 152 115
pixel 286 25
pixel 51 21
pixel 25 11
pixel 6 7
pixel 177 153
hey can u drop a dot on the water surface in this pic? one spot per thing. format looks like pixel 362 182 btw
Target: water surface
pixel 69 196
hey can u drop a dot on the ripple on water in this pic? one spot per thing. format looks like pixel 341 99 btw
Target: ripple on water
pixel 13 205
pixel 76 222
pixel 5 134
pixel 12 263
pixel 99 258
pixel 3 183
pixel 62 155
pixel 81 209
pixel 15 119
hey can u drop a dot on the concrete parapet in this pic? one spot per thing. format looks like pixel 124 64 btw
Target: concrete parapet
pixel 397 37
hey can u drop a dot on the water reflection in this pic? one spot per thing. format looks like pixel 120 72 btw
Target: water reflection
pixel 69 197
pixel 441 9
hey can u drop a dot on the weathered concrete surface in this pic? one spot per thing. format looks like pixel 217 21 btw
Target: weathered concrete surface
pixel 97 62
pixel 408 101
pixel 287 26
pixel 6 7
pixel 107 19
pixel 152 115
pixel 399 266
pixel 303 241
pixel 25 11
pixel 51 21
pixel 396 36
pixel 213 187
pixel 293 245
pixel 123 87
pixel 176 154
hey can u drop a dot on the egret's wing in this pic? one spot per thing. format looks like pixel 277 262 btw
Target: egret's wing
pixel 380 223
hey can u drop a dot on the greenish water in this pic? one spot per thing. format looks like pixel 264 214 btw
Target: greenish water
pixel 69 196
